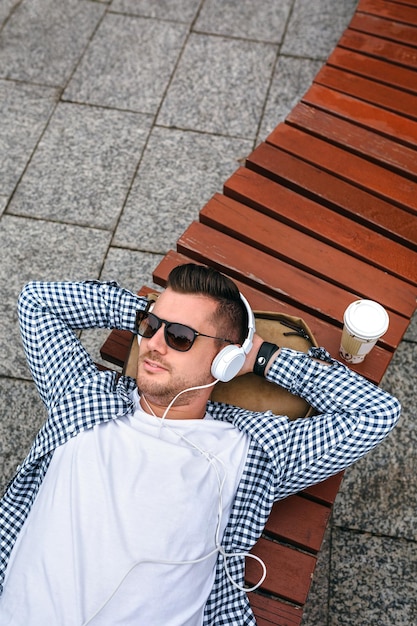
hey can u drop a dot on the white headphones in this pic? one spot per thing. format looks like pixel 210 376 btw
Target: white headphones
pixel 229 361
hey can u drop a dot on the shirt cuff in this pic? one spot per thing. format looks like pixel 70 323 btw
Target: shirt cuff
pixel 291 369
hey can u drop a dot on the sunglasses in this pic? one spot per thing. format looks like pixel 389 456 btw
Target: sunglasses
pixel 177 336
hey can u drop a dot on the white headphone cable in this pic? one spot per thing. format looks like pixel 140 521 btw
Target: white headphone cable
pixel 219 547
pixel 168 408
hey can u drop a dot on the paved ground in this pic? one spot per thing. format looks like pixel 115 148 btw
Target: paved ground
pixel 119 120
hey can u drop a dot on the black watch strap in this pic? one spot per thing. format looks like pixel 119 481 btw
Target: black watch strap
pixel 262 358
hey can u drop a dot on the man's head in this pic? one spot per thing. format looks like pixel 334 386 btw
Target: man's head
pixel 205 301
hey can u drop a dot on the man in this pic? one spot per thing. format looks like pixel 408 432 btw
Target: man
pixel 139 499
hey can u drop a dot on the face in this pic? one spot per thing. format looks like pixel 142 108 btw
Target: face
pixel 163 371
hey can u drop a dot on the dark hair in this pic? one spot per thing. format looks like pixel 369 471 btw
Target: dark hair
pixel 231 316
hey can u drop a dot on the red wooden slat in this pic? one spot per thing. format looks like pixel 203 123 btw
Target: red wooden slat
pixel 389 10
pixel 326 491
pixel 259 269
pixel 289 572
pixel 360 141
pixel 298 521
pixel 349 167
pixel 259 300
pixel 300 250
pixel 380 27
pixel 116 347
pixel 411 3
pixel 270 612
pixel 307 179
pixel 374 69
pixel 394 52
pixel 383 96
pixel 364 114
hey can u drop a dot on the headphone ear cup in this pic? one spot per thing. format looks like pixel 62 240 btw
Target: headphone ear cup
pixel 230 360
pixel 227 363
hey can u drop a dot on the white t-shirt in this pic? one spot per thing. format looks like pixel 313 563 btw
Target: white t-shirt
pixel 117 501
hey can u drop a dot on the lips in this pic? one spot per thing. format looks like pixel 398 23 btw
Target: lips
pixel 153 365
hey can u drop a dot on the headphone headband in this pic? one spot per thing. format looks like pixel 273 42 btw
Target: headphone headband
pixel 247 344
pixel 229 361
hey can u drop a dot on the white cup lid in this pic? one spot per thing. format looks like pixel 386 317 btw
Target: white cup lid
pixel 366 319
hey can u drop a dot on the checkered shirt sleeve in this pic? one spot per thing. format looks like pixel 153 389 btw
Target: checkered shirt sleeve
pixel 353 416
pixel 49 313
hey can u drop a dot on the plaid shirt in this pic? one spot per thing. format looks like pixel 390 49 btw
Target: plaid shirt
pixel 284 456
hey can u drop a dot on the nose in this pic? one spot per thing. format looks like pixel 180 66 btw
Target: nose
pixel 157 342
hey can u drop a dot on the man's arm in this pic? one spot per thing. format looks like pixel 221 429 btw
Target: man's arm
pixel 49 313
pixel 353 416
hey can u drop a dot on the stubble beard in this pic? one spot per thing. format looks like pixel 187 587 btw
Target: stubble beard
pixel 162 393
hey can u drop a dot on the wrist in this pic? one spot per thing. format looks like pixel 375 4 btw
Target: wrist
pixel 264 356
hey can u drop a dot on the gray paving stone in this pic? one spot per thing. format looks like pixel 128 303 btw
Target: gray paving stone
pixel 263 21
pixel 41 250
pixel 411 332
pixel 6 8
pixel 315 611
pixel 130 268
pixel 373 581
pixel 128 63
pixel 379 493
pixel 176 10
pixel 179 173
pixel 94 153
pixel 3 203
pixel 219 86
pixel 24 113
pixel 21 415
pixel 315 27
pixel 44 39
pixel 292 77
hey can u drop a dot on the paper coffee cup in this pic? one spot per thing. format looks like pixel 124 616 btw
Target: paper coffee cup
pixel 364 322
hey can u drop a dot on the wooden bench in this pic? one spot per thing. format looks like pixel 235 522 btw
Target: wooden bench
pixel 323 213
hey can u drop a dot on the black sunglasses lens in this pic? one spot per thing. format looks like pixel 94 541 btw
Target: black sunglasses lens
pixel 179 337
pixel 147 324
